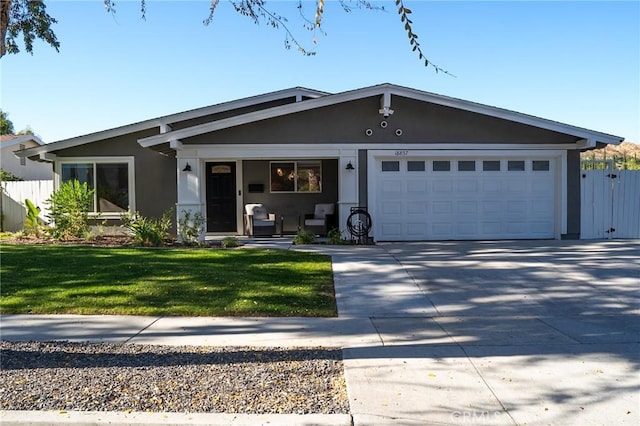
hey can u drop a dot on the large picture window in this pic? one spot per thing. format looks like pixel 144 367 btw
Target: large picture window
pixel 111 180
pixel 296 176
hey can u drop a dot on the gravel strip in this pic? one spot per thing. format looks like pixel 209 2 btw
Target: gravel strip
pixel 107 377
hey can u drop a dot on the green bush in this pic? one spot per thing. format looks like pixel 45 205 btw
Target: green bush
pixel 148 231
pixel 32 223
pixel 69 210
pixel 229 242
pixel 190 226
pixel 334 236
pixel 304 236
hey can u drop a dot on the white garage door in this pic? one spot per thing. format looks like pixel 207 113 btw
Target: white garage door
pixel 463 198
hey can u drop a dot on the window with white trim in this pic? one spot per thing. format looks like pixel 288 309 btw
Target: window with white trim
pixel 111 179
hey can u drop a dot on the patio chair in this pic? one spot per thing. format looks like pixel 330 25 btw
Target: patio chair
pixel 258 222
pixel 322 219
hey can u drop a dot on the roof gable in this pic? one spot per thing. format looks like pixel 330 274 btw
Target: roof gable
pixel 7 141
pixel 164 122
pixel 305 100
pixel 386 92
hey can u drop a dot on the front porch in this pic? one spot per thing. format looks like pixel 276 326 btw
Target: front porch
pixel 289 189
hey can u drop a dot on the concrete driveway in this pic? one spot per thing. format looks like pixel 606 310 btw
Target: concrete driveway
pixel 525 332
pixel 457 333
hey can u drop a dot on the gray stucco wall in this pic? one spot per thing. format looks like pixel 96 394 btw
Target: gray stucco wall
pixel 346 123
pixel 155 174
pixel 231 113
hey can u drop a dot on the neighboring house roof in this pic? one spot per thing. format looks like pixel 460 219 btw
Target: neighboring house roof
pixel 314 99
pixel 7 141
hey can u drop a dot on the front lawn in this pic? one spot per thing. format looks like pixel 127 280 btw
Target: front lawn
pixel 52 279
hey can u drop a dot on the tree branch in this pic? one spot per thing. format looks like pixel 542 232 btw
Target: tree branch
pixel 404 13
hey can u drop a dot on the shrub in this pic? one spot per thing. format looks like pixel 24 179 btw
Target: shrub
pixel 8 176
pixel 32 223
pixel 335 236
pixel 190 227
pixel 229 242
pixel 70 206
pixel 304 236
pixel 148 231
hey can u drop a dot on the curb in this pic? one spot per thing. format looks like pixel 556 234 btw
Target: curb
pixel 94 418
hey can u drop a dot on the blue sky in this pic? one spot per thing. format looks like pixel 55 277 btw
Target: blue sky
pixel 573 62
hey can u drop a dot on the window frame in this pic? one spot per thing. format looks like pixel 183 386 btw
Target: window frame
pixel 296 184
pixel 129 160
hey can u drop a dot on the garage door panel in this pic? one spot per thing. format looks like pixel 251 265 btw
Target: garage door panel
pixel 517 206
pixel 490 229
pixel 442 230
pixel 516 227
pixel 442 207
pixel 491 185
pixel 518 185
pixel 467 229
pixel 541 227
pixel 467 208
pixel 492 207
pixel 418 230
pixel 465 202
pixel 390 209
pixel 391 187
pixel 467 186
pixel 417 207
pixel 442 185
pixel 417 187
pixel 392 229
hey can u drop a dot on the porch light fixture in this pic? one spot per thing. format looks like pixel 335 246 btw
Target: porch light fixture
pixel 187 168
pixel 349 166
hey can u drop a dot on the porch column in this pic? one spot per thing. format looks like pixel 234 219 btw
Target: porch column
pixel 189 184
pixel 347 188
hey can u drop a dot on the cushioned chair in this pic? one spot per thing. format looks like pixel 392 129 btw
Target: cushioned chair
pixel 258 222
pixel 322 219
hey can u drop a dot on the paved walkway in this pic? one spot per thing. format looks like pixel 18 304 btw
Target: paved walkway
pixel 433 333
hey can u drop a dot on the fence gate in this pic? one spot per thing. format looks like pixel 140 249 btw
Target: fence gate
pixel 610 204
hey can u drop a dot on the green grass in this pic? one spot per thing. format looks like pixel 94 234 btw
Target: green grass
pixel 51 279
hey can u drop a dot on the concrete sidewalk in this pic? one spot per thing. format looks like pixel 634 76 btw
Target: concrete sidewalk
pixel 434 333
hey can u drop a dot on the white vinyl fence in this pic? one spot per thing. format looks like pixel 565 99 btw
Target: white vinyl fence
pixel 13 205
pixel 610 204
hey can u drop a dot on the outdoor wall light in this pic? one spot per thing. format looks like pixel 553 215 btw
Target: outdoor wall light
pixel 349 166
pixel 187 168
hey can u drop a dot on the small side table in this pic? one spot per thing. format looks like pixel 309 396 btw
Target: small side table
pixel 289 220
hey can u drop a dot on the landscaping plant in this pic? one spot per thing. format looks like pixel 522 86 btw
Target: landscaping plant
pixel 304 236
pixel 190 226
pixel 148 231
pixel 334 236
pixel 230 242
pixel 32 223
pixel 69 210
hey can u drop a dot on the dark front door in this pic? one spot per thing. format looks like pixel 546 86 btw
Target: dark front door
pixel 221 197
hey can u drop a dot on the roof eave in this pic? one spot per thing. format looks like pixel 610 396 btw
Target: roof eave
pixel 385 89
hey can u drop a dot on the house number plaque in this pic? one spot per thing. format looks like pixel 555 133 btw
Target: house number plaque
pixel 220 169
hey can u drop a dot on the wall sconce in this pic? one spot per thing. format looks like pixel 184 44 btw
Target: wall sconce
pixel 187 168
pixel 349 166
